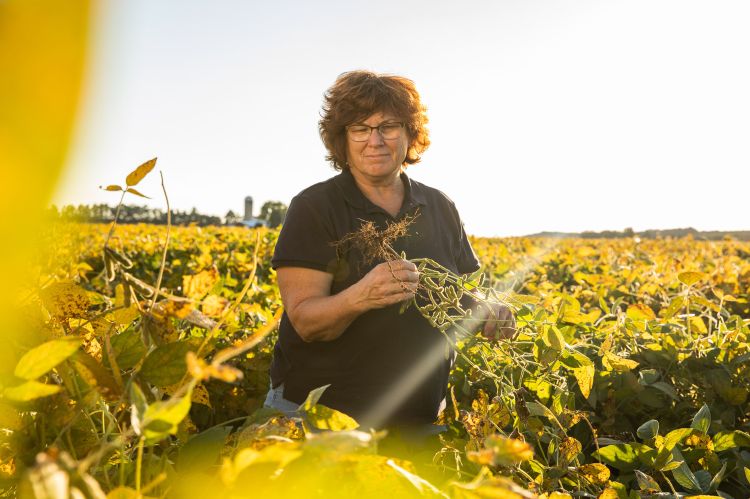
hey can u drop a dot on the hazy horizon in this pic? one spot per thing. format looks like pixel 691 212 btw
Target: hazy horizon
pixel 593 115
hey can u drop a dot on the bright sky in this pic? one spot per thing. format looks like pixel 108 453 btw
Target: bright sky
pixel 544 115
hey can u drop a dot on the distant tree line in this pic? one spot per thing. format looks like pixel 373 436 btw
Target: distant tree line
pixel 272 211
pixel 740 235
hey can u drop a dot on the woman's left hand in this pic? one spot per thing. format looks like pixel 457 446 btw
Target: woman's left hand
pixel 500 324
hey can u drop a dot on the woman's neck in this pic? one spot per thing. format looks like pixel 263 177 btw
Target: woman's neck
pixel 386 193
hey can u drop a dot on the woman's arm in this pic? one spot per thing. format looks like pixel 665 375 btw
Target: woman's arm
pixel 319 316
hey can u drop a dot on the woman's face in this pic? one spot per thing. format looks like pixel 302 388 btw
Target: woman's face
pixel 377 159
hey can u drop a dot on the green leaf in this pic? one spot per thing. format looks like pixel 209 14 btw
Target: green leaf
pixel 138 407
pixel 675 436
pixel 553 338
pixel 683 475
pixel 704 479
pixel 165 365
pixel 663 459
pixel 648 430
pixel 137 175
pixel 45 357
pixel 672 465
pixel 645 482
pixel 647 377
pixel 716 480
pixel 29 391
pixel 702 419
pixel 128 348
pixel 325 418
pixel 620 456
pixel 313 397
pixel 666 388
pixel 202 451
pixel 726 440
pixel 573 359
pixel 161 418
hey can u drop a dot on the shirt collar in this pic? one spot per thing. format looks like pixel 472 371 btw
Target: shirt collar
pixel 413 193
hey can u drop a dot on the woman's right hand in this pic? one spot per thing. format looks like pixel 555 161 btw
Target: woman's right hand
pixel 386 284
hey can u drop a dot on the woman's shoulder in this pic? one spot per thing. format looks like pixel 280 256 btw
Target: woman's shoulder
pixel 319 193
pixel 431 194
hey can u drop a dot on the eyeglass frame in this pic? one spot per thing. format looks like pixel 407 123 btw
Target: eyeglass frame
pixel 401 124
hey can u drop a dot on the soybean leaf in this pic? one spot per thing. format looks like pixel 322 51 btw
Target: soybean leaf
pixel 716 480
pixel 133 191
pixel 620 456
pixel 702 419
pixel 165 365
pixel 112 188
pixel 726 440
pixel 704 479
pixel 137 408
pixel 675 436
pixel 325 418
pixel 45 357
pixel 690 278
pixel 596 473
pixel 683 475
pixel 648 430
pixel 647 377
pixel 665 388
pixel 202 451
pixel 137 175
pixel 640 312
pixel 646 482
pixel 161 418
pixel 128 348
pixel 29 391
pixel 313 397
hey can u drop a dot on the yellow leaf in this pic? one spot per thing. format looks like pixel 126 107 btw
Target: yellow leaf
pixel 585 377
pixel 65 299
pixel 698 324
pixel 10 418
pixel 137 175
pixel 126 315
pixel 123 493
pixel 502 451
pixel 200 395
pixel 569 449
pixel 608 493
pixel 639 311
pixel 596 473
pixel 196 286
pixel 214 305
pixel 137 193
pixel 690 278
pixel 113 188
pixel 613 362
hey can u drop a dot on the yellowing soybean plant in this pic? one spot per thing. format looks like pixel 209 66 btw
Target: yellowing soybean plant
pixel 629 377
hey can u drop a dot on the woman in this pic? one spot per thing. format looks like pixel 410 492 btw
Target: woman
pixel 342 324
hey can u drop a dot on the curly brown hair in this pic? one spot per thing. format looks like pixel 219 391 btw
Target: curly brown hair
pixel 357 95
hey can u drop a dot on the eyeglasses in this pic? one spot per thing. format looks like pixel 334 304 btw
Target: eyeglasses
pixel 389 131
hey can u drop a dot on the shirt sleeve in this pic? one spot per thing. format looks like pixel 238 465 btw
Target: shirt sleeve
pixel 305 239
pixel 467 261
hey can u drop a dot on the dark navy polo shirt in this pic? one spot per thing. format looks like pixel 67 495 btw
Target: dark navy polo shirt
pixel 377 357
